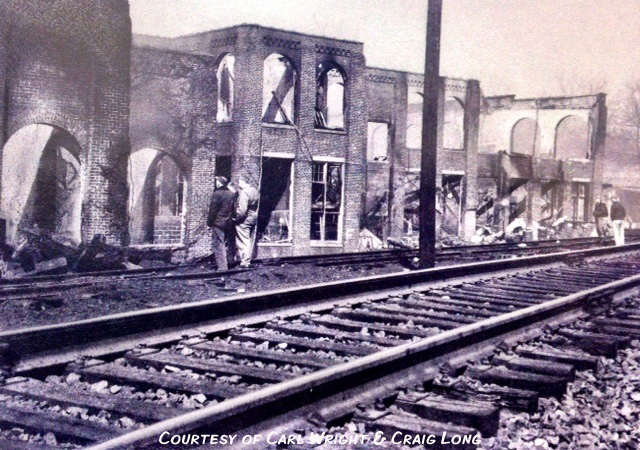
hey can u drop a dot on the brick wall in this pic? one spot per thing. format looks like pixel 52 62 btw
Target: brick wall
pixel 68 65
pixel 167 230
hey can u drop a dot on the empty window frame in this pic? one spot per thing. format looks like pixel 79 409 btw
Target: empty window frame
pixel 551 197
pixel 279 90
pixel 580 201
pixel 330 96
pixel 572 138
pixel 223 166
pixel 274 217
pixel 525 137
pixel 226 84
pixel 453 133
pixel 415 98
pixel 326 201
pixel 377 141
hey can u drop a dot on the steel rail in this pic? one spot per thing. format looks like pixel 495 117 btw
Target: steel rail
pixel 443 253
pixel 335 378
pixel 27 342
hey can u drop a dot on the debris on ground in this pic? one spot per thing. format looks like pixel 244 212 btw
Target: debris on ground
pixel 367 240
pixel 39 253
pixel 599 411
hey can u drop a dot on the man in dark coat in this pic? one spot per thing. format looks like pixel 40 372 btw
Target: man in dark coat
pixel 618 214
pixel 220 220
pixel 600 213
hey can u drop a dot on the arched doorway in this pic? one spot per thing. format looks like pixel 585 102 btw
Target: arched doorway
pixel 42 184
pixel 157 195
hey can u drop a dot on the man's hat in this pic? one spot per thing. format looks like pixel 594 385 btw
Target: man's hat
pixel 222 180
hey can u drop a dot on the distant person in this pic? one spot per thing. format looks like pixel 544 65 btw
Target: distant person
pixel 600 213
pixel 618 214
pixel 246 221
pixel 220 220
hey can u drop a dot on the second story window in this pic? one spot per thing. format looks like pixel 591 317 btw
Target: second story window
pixel 330 96
pixel 226 83
pixel 278 90
pixel 377 141
pixel 415 99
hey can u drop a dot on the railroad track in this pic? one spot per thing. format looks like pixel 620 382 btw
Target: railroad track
pixel 326 352
pixel 48 285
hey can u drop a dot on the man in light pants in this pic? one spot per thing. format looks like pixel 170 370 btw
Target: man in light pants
pixel 618 214
pixel 246 220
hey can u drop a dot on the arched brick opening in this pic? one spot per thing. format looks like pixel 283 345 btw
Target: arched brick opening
pixel 157 195
pixel 453 133
pixel 42 184
pixel 572 138
pixel 331 85
pixel 525 137
pixel 280 79
pixel 225 80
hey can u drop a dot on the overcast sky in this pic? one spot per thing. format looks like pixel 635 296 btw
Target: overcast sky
pixel 511 46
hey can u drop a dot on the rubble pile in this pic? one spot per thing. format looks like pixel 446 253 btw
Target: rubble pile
pixel 41 254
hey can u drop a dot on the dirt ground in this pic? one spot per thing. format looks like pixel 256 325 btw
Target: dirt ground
pixel 116 294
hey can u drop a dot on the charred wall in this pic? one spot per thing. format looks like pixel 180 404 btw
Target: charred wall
pixel 66 64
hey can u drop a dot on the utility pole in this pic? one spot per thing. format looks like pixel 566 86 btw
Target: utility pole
pixel 430 136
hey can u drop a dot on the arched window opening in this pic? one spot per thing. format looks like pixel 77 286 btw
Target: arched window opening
pixel 453 133
pixel 525 137
pixel 377 141
pixel 226 86
pixel 157 193
pixel 572 138
pixel 415 98
pixel 279 90
pixel 41 184
pixel 330 96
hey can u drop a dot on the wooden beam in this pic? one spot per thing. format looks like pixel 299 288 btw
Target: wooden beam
pixel 430 136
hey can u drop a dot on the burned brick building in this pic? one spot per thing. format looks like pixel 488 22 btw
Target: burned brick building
pixel 64 84
pixel 335 145
pixel 105 133
pixel 285 110
pixel 499 158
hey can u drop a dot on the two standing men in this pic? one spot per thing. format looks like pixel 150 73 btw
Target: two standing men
pixel 618 215
pixel 227 209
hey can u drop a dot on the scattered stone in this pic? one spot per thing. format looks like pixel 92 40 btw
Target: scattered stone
pixel 72 378
pixel 99 386
pixel 50 439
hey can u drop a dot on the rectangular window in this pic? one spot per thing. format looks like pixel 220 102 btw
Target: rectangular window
pixel 326 201
pixel 223 166
pixel 274 217
pixel 551 196
pixel 580 201
pixel 377 141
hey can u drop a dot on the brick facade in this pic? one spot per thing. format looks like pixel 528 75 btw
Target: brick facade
pixel 76 73
pixel 245 138
pixel 68 65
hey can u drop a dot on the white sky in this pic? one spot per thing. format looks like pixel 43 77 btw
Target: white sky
pixel 512 46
